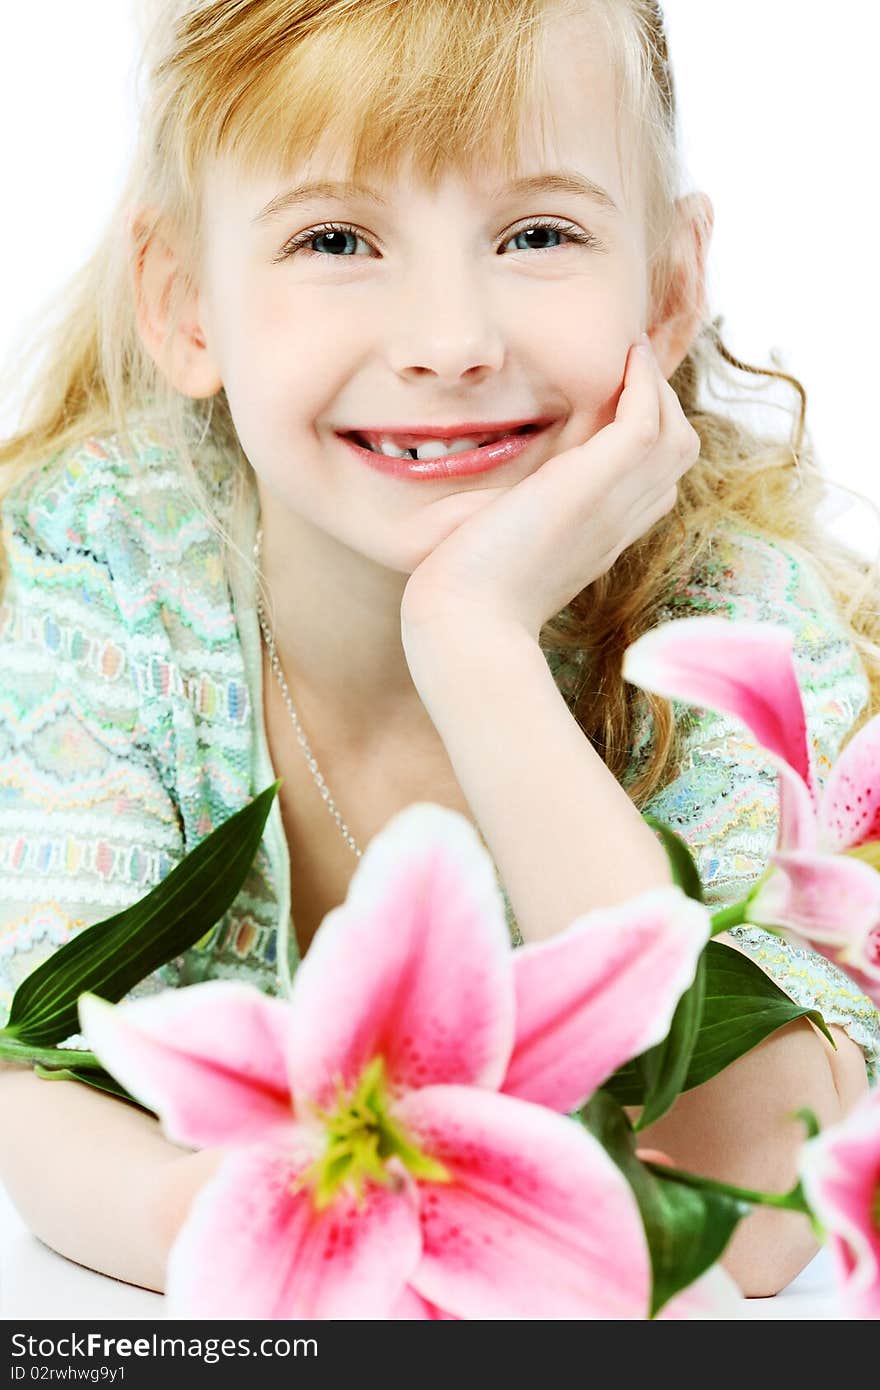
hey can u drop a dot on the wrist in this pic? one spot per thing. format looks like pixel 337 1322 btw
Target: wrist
pixel 456 645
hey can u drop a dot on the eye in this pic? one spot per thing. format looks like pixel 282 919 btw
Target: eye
pixel 340 240
pixel 336 236
pixel 553 225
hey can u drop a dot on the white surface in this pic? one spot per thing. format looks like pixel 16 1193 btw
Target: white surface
pixel 35 1284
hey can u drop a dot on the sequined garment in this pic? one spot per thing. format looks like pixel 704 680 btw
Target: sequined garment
pixel 131 723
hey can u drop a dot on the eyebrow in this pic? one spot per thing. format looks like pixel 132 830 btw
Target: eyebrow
pixel 555 181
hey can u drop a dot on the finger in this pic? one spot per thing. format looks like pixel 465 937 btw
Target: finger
pixel 676 432
pixel 638 408
pixel 656 418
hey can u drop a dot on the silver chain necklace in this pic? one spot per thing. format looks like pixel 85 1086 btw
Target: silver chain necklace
pixel 313 766
pixel 301 738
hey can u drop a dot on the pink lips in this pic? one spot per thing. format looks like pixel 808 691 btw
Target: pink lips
pixel 480 460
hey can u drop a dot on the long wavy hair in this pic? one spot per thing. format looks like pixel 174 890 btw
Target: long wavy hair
pixel 258 82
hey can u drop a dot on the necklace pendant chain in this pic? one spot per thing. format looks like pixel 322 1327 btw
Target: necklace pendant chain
pixel 300 736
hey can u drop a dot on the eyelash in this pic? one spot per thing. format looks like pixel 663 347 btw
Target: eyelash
pixel 300 242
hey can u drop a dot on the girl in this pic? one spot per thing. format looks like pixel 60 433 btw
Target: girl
pixel 345 467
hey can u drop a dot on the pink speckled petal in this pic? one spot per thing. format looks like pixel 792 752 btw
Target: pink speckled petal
pixel 411 1307
pixel 830 899
pixel 745 670
pixel 849 814
pixel 538 1222
pixel 840 1172
pixel 713 1297
pixel 415 966
pixel 249 1248
pixel 209 1059
pixel 601 991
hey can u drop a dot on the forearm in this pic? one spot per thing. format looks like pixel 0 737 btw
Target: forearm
pixel 739 1127
pixel 83 1170
pixel 564 835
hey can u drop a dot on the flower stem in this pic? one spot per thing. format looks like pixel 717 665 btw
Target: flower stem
pixel 789 1201
pixel 731 916
pixel 11 1050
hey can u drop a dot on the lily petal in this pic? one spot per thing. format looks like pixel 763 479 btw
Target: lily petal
pixel 713 1296
pixel 250 1248
pixel 209 1059
pixel 601 991
pixel 840 1172
pixel 415 966
pixel 849 814
pixel 828 898
pixel 537 1222
pixel 411 1307
pixel 745 670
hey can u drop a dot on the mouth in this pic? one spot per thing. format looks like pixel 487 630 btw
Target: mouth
pixel 440 455
pixel 430 445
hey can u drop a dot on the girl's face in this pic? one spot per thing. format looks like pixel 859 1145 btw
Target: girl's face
pixel 425 307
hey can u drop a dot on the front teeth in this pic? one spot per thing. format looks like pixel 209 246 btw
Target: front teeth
pixel 436 448
pixel 431 449
pixel 393 450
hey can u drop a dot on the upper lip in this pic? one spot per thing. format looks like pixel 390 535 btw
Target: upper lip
pixel 459 431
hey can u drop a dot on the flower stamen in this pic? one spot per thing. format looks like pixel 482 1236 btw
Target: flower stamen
pixel 361 1139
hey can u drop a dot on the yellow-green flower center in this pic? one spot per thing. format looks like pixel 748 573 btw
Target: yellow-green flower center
pixel 868 853
pixel 361 1138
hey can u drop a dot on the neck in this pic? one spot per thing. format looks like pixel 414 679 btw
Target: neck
pixel 335 621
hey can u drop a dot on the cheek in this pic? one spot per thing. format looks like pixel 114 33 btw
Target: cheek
pixel 590 379
pixel 580 341
pixel 281 352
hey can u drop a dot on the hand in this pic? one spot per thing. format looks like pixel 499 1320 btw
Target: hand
pixel 527 553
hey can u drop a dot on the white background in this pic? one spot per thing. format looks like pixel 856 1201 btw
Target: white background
pixel 777 108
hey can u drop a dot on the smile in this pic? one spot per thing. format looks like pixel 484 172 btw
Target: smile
pixel 411 446
pixel 419 456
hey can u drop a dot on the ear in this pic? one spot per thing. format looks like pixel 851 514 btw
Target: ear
pixel 681 316
pixel 185 360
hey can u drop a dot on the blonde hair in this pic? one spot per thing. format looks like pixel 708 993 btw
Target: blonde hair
pixel 258 82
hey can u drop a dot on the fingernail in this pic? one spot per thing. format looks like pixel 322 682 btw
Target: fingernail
pixel 644 345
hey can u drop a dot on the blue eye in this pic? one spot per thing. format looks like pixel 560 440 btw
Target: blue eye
pixel 541 228
pixel 340 240
pixel 337 236
pixel 335 240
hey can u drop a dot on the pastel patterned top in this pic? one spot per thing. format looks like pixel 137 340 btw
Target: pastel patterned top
pixel 131 722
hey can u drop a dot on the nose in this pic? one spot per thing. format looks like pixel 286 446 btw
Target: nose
pixel 445 329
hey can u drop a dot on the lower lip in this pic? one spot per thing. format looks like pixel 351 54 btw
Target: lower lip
pixel 450 465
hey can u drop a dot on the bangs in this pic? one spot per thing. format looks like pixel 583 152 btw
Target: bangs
pixel 441 82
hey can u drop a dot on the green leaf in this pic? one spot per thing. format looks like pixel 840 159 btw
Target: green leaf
pixel 108 958
pixel 687 1228
pixel 664 1067
pixel 681 862
pixel 741 1007
pixel 100 1079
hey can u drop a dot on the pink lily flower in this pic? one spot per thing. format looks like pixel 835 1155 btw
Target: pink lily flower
pixel 398 1146
pixel 840 1175
pixel 822 881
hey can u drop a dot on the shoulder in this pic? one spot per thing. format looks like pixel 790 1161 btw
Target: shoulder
pixel 98 489
pixel 120 526
pixel 747 576
pixel 750 577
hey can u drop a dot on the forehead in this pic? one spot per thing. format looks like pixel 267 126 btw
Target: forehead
pixel 567 119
